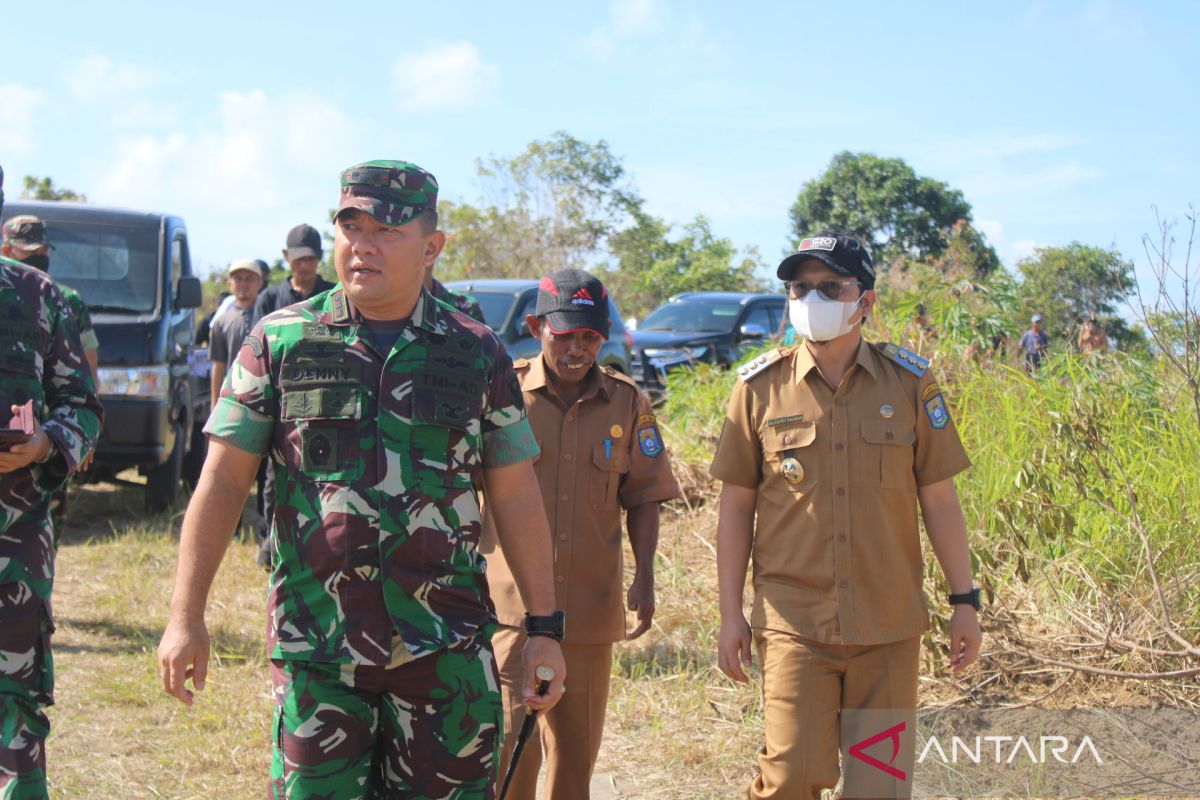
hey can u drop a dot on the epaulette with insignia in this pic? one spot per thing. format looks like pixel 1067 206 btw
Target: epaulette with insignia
pixel 906 358
pixel 753 367
pixel 341 309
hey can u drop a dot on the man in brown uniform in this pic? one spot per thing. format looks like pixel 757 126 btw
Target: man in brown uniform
pixel 833 444
pixel 600 453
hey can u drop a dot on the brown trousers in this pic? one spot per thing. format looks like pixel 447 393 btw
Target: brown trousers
pixel 806 684
pixel 568 736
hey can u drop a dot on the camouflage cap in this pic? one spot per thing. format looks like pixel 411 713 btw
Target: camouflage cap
pixel 393 192
pixel 26 232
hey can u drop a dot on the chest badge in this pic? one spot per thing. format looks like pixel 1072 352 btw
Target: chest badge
pixel 792 470
pixel 616 431
pixel 886 411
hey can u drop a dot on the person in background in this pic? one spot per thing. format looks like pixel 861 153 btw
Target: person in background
pixel 1033 343
pixel 1092 338
pixel 230 328
pixel 601 455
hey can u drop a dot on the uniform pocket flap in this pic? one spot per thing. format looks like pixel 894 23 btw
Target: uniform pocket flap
pixel 886 431
pixel 616 460
pixel 781 438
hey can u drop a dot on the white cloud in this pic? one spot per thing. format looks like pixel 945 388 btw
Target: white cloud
pixel 992 229
pixel 443 76
pixel 626 19
pixel 252 166
pixel 16 132
pixel 98 78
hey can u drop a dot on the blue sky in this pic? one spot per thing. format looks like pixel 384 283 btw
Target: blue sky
pixel 1059 121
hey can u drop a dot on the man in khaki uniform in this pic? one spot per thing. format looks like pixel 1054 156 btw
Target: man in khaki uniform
pixel 601 452
pixel 827 451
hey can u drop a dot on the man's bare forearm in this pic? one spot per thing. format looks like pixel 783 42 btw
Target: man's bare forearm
pixel 642 523
pixel 217 378
pixel 515 502
pixel 212 516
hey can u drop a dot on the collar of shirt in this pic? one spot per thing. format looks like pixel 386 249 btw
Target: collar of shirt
pixel 339 310
pixel 537 379
pixel 805 362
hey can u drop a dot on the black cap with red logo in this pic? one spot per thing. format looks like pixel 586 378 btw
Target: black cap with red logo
pixel 572 300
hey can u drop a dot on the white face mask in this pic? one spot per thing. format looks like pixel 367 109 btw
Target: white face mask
pixel 820 320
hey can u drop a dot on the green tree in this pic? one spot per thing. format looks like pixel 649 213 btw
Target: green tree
pixel 883 203
pixel 553 206
pixel 1067 285
pixel 967 253
pixel 651 267
pixel 44 189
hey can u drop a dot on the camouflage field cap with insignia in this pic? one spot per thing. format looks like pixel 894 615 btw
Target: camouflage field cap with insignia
pixel 393 192
pixel 26 232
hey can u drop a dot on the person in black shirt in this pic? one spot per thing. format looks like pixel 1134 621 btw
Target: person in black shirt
pixel 303 254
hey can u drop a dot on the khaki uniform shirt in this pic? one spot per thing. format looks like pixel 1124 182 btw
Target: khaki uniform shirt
pixel 585 484
pixel 837 551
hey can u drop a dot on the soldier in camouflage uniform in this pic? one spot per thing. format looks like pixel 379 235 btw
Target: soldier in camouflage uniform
pixel 41 360
pixel 383 412
pixel 24 240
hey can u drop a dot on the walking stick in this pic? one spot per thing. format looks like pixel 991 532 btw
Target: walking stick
pixel 544 675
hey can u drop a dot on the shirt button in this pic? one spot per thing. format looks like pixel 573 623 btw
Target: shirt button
pixel 560 579
pixel 570 418
pixel 840 492
pixel 562 537
pixel 567 457
pixel 842 583
pixel 564 498
pixel 839 446
pixel 787 439
pixel 841 537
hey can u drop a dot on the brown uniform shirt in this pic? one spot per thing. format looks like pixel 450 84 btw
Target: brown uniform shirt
pixel 585 485
pixel 837 550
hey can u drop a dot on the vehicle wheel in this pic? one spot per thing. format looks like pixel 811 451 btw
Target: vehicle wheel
pixel 162 482
pixel 193 462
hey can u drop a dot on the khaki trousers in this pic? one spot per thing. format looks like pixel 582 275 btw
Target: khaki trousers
pixel 568 736
pixel 806 684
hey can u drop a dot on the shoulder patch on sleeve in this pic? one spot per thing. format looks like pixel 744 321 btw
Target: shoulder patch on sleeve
pixel 906 358
pixel 648 439
pixel 255 344
pixel 755 366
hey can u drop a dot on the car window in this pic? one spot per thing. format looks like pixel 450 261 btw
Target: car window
pixel 760 316
pixel 114 268
pixel 495 306
pixel 776 312
pixel 692 317
pixel 528 306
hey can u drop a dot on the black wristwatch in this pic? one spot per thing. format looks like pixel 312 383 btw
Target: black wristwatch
pixel 552 626
pixel 971 598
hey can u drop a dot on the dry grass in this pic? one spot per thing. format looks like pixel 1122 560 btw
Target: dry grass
pixel 115 733
pixel 676 727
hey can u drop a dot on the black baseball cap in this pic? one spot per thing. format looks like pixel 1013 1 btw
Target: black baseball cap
pixel 303 240
pixel 841 253
pixel 572 300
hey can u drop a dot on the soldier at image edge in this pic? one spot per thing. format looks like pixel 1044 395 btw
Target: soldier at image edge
pixel 384 412
pixel 601 453
pixel 43 361
pixel 827 451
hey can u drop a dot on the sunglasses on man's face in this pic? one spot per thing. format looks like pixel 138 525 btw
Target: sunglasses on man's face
pixel 830 290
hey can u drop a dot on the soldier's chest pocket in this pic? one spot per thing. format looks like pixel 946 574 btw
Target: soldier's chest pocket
pixel 324 429
pixel 607 470
pixel 446 439
pixel 886 455
pixel 790 457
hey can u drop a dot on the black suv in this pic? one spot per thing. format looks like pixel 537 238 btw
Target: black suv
pixel 712 327
pixel 507 301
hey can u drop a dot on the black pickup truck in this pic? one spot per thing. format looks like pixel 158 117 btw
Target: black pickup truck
pixel 134 271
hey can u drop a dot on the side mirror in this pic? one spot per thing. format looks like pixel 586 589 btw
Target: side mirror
pixel 753 331
pixel 188 293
